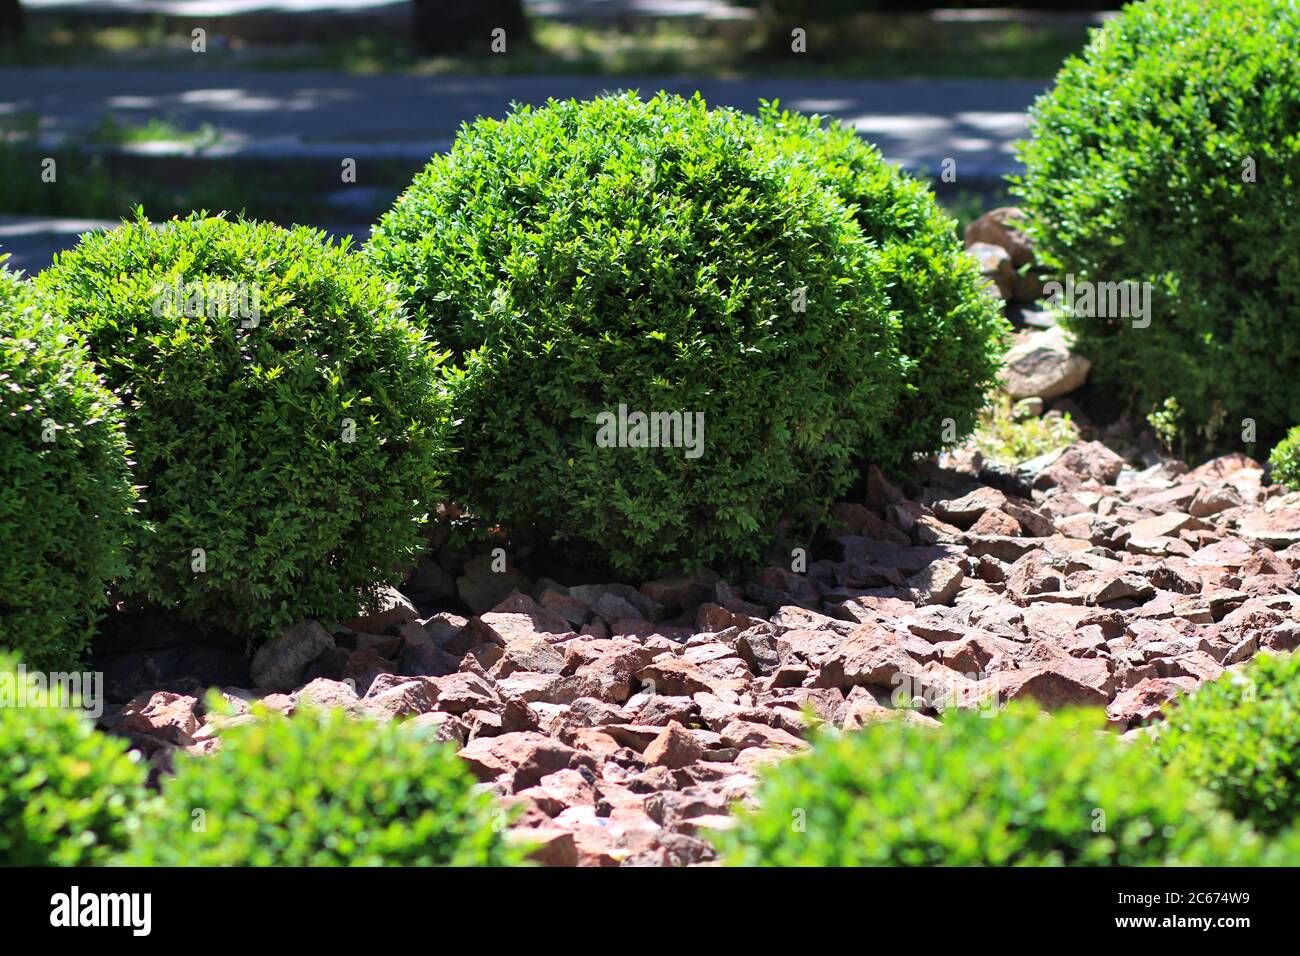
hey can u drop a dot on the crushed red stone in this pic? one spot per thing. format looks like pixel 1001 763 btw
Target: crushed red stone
pixel 626 723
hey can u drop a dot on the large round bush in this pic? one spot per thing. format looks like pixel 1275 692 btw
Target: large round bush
pixel 951 332
pixel 69 795
pixel 1239 737
pixel 1166 154
pixel 285 419
pixel 65 491
pixel 658 257
pixel 323 789
pixel 1017 788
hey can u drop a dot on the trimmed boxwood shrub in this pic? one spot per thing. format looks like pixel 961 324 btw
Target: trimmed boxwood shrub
pixel 1285 460
pixel 1017 788
pixel 1136 172
pixel 69 795
pixel 952 333
pixel 666 258
pixel 1239 737
pixel 286 419
pixel 65 490
pixel 323 789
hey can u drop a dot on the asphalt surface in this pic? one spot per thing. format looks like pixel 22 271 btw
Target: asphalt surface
pixel 310 121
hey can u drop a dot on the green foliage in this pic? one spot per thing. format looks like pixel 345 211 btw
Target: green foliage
pixel 68 794
pixel 323 789
pixel 1003 437
pixel 650 254
pixel 1137 172
pixel 1283 847
pixel 1164 422
pixel 1285 460
pixel 239 390
pixel 65 492
pixel 114 131
pixel 1016 788
pixel 1239 737
pixel 952 333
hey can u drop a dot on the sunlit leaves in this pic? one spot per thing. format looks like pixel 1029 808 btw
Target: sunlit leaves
pixel 325 790
pixel 650 250
pixel 1178 169
pixel 239 422
pixel 986 789
pixel 68 794
pixel 65 491
pixel 1239 737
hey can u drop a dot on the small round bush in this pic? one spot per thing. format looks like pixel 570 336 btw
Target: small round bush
pixel 952 333
pixel 323 789
pixel 1285 460
pixel 65 490
pixel 1239 737
pixel 69 795
pixel 1166 153
pixel 655 257
pixel 286 420
pixel 1017 788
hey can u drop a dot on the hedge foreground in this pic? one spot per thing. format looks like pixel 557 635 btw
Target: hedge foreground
pixel 1239 738
pixel 69 795
pixel 324 789
pixel 1017 788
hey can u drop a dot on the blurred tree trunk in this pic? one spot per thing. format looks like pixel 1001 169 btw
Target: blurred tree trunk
pixel 11 19
pixel 461 26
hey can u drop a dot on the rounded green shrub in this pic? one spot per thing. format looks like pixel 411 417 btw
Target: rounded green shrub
pixel 65 490
pixel 655 257
pixel 952 333
pixel 286 420
pixel 1017 788
pixel 1285 460
pixel 323 789
pixel 69 795
pixel 1239 737
pixel 1166 154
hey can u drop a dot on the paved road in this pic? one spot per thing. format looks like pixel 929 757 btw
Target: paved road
pixel 32 242
pixel 305 115
pixel 311 119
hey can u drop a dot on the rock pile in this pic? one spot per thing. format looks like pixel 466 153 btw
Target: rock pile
pixel 625 722
pixel 1041 364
